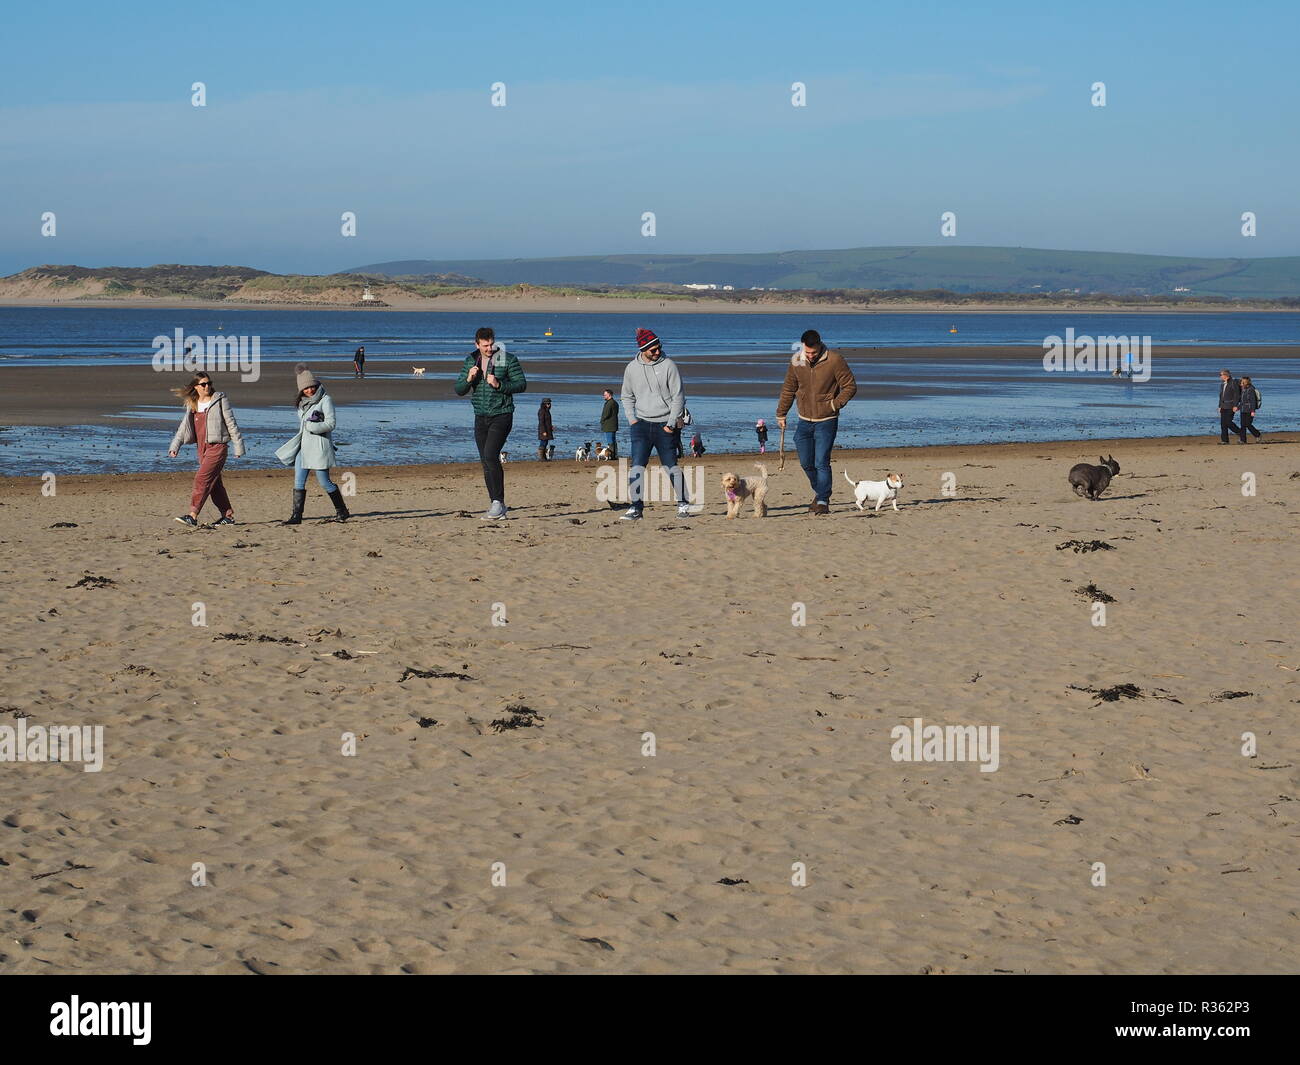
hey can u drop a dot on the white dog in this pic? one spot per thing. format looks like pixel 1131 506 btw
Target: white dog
pixel 505 456
pixel 583 454
pixel 879 492
pixel 417 371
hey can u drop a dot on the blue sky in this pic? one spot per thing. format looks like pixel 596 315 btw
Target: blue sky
pixel 681 109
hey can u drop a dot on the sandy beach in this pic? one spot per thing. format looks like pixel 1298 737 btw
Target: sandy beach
pixel 524 742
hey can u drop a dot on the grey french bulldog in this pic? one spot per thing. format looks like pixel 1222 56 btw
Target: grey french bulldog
pixel 1090 481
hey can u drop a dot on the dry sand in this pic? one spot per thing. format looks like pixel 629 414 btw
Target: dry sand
pixel 773 741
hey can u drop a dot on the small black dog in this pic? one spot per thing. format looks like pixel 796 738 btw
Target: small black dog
pixel 1090 481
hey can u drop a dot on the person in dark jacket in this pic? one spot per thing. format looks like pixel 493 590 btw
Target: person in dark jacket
pixel 545 432
pixel 697 445
pixel 1229 401
pixel 491 376
pixel 1249 404
pixel 359 362
pixel 760 428
pixel 609 423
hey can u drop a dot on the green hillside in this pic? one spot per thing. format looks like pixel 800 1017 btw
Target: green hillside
pixel 956 269
pixel 166 280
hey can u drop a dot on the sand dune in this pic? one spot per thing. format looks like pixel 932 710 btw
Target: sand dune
pixel 773 740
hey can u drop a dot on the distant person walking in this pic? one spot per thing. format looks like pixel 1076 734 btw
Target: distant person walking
pixel 678 426
pixel 491 376
pixel 609 423
pixel 1250 403
pixel 653 401
pixel 359 362
pixel 312 447
pixel 545 432
pixel 209 422
pixel 1229 401
pixel 760 429
pixel 822 383
pixel 697 445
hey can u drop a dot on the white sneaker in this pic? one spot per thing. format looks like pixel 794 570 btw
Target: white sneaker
pixel 496 512
pixel 684 510
pixel 632 515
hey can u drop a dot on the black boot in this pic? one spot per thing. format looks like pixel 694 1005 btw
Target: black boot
pixel 340 508
pixel 299 501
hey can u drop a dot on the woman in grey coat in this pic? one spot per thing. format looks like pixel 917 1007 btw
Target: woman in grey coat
pixel 208 422
pixel 311 447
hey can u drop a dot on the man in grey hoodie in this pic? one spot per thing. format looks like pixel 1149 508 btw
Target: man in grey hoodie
pixel 653 401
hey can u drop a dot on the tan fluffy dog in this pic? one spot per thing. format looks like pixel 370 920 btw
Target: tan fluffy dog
pixel 738 489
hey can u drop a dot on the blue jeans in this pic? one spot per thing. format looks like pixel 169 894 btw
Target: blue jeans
pixel 608 438
pixel 648 436
pixel 300 477
pixel 813 441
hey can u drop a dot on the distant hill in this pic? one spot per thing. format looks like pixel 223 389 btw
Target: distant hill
pixel 408 289
pixel 955 269
pixel 173 281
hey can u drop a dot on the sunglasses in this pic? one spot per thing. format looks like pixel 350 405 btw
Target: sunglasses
pixel 202 384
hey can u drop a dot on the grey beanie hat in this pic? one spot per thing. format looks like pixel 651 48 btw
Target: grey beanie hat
pixel 306 379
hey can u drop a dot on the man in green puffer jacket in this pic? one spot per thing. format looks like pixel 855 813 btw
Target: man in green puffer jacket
pixel 491 376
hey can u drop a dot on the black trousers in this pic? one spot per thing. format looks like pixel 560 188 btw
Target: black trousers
pixel 490 432
pixel 1248 425
pixel 1226 425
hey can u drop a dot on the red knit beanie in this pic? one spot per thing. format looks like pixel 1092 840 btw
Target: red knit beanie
pixel 645 339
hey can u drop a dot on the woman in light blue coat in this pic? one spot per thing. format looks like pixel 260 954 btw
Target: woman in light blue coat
pixel 311 448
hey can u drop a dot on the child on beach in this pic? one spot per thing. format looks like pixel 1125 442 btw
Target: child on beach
pixel 210 423
pixel 760 428
pixel 491 376
pixel 697 445
pixel 312 447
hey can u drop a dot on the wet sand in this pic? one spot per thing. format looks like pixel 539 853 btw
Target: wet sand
pixel 772 740
pixel 82 395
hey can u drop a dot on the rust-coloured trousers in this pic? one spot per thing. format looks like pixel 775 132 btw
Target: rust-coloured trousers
pixel 207 482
